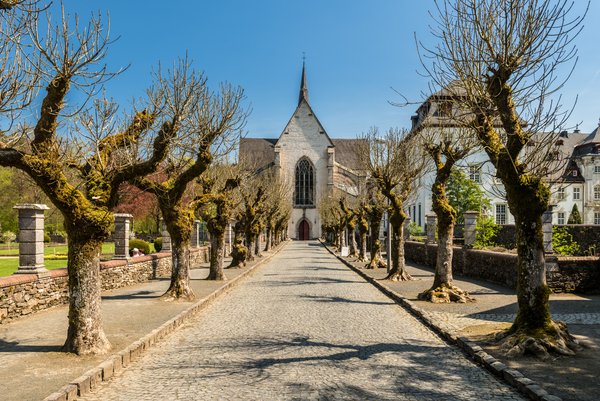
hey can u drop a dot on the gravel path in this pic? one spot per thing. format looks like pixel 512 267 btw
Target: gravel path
pixel 304 327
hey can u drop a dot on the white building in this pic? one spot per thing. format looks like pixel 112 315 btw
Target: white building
pixel 306 156
pixel 576 182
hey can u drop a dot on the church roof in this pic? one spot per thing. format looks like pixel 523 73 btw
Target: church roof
pixel 303 86
pixel 346 153
pixel 257 152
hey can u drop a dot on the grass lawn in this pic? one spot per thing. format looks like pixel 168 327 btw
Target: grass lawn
pixel 9 265
pixel 108 248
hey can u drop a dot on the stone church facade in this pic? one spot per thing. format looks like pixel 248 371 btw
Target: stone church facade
pixel 309 160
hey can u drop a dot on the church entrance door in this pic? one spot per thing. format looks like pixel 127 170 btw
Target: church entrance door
pixel 303 231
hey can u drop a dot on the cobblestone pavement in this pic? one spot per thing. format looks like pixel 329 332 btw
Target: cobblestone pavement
pixel 304 327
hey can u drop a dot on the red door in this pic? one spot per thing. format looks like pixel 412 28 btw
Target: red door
pixel 303 231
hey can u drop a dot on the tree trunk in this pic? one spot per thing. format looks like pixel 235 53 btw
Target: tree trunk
pixel 269 239
pixel 238 253
pixel 250 247
pixel 398 271
pixel 362 255
pixel 443 289
pixel 85 334
pixel 533 330
pixel 257 248
pixel 217 248
pixel 179 288
pixel 353 245
pixel 376 260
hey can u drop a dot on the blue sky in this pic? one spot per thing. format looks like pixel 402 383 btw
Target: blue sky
pixel 356 52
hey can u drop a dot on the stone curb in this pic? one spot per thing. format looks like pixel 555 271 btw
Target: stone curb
pixel 512 377
pixel 121 360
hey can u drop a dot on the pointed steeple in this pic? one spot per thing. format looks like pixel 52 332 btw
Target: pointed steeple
pixel 303 85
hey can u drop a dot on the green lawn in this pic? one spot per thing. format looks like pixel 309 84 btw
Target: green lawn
pixel 9 265
pixel 108 248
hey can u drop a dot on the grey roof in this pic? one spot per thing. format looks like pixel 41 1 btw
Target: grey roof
pixel 257 152
pixel 346 153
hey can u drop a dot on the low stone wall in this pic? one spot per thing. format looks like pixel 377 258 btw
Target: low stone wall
pixel 564 274
pixel 23 294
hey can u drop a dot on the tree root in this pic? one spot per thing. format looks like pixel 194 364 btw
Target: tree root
pixel 376 264
pixel 556 339
pixel 216 276
pixel 445 293
pixel 178 293
pixel 399 276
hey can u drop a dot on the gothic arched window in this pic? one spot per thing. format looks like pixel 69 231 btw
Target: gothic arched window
pixel 305 183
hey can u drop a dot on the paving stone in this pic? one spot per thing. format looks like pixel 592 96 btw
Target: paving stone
pixel 304 327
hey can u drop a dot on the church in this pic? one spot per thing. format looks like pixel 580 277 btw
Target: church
pixel 310 160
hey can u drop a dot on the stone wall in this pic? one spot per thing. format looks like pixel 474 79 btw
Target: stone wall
pixel 23 294
pixel 564 274
pixel 587 236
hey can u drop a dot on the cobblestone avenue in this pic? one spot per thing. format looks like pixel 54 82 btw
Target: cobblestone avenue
pixel 304 327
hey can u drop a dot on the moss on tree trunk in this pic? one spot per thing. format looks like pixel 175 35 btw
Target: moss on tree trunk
pixel 85 334
pixel 398 271
pixel 443 289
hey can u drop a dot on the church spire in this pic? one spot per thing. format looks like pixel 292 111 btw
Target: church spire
pixel 303 84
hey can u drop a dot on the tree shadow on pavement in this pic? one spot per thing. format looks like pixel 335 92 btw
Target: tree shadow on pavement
pixel 15 346
pixel 331 371
pixel 133 295
pixel 328 299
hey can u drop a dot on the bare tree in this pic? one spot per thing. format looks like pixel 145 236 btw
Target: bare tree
pixel 505 60
pixel 213 123
pixel 395 162
pixel 375 207
pixel 82 179
pixel 446 146
pixel 216 205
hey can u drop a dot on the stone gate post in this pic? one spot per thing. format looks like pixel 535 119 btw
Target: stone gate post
pixel 166 238
pixel 547 231
pixel 195 238
pixel 431 220
pixel 406 233
pixel 31 239
pixel 469 231
pixel 122 226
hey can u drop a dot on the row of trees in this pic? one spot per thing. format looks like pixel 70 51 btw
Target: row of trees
pixel 500 61
pixel 83 153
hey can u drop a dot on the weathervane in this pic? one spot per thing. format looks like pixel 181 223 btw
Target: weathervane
pixel 303 57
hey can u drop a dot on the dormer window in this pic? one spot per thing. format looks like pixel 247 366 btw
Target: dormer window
pixel 444 108
pixel 574 173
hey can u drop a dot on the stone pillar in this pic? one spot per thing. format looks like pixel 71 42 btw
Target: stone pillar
pixel 122 225
pixel 470 232
pixel 31 239
pixel 406 232
pixel 195 238
pixel 166 238
pixel 547 230
pixel 431 220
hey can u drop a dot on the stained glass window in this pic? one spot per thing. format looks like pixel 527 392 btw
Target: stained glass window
pixel 305 180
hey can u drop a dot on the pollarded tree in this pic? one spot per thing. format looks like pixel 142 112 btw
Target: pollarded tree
pixel 395 162
pixel 82 179
pixel 216 204
pixel 375 208
pixel 278 209
pixel 503 59
pixel 445 147
pixel 214 122
pixel 350 221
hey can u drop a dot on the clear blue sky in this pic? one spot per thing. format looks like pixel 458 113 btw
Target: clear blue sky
pixel 356 51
